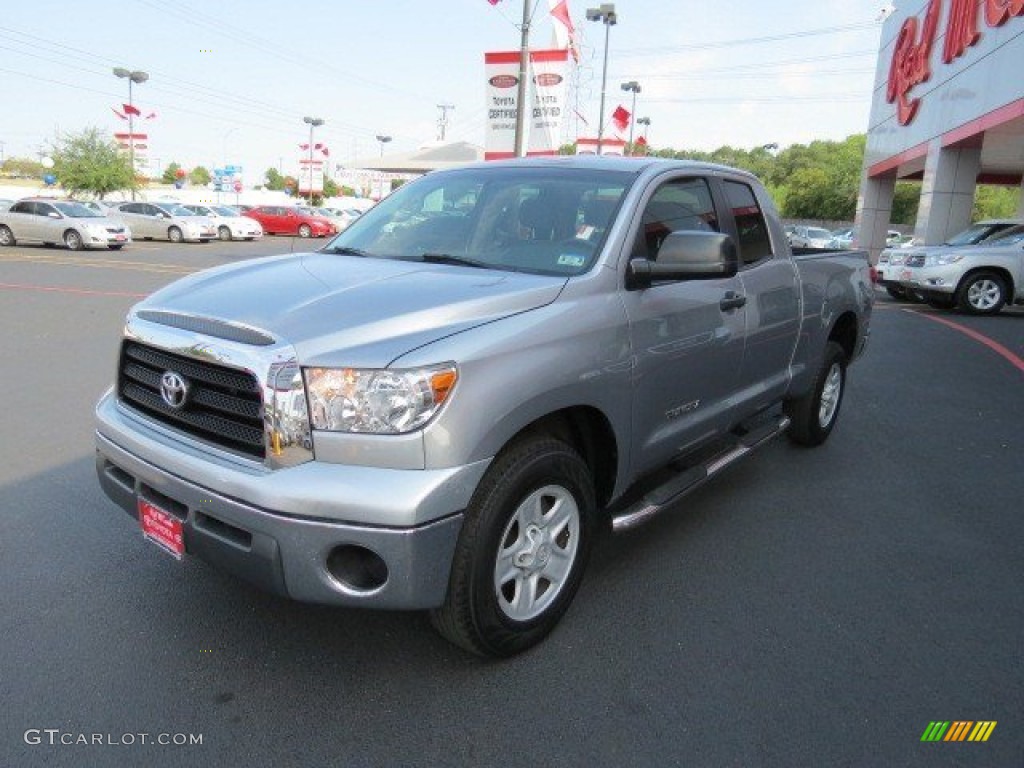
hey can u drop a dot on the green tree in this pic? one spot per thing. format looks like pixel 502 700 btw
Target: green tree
pixel 905 202
pixel 274 179
pixel 330 188
pixel 91 163
pixel 992 202
pixel 22 166
pixel 199 176
pixel 170 173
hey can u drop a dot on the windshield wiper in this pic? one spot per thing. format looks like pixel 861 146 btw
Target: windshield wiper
pixel 344 250
pixel 447 258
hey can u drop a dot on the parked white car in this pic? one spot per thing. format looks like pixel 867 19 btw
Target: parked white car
pixel 166 221
pixel 51 221
pixel 980 279
pixel 231 225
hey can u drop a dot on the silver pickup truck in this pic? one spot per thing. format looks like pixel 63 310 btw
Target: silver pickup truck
pixel 441 408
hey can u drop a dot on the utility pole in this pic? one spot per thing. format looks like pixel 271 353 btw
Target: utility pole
pixel 442 122
pixel 524 73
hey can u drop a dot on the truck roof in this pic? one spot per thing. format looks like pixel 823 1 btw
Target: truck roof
pixel 636 165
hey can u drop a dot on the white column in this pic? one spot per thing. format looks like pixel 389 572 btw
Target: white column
pixel 947 192
pixel 874 210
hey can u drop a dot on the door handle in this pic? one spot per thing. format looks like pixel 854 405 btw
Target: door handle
pixel 731 301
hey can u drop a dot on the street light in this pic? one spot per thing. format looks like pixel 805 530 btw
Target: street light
pixel 633 86
pixel 383 140
pixel 605 13
pixel 646 123
pixel 134 76
pixel 313 122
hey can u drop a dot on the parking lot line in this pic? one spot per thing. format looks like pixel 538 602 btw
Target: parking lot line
pixel 67 289
pixel 139 266
pixel 1014 359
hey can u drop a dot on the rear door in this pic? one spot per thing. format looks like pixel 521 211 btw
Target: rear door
pixel 771 286
pixel 21 220
pixel 687 335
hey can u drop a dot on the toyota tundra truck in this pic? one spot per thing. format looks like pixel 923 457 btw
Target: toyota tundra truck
pixel 441 408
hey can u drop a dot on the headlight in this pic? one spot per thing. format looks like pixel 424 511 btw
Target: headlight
pixel 942 259
pixel 377 401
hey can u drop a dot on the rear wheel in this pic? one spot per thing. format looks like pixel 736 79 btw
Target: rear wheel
pixel 224 233
pixel 73 240
pixel 814 415
pixel 305 231
pixel 174 235
pixel 983 293
pixel 6 236
pixel 522 549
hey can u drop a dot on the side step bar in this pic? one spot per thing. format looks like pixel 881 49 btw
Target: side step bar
pixel 665 495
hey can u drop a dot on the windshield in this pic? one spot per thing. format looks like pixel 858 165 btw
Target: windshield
pixel 177 210
pixel 224 210
pixel 977 233
pixel 77 211
pixel 539 220
pixel 1007 236
pixel 819 234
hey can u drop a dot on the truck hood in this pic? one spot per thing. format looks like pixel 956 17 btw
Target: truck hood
pixel 353 311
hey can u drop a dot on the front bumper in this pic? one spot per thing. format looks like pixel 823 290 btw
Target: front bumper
pixel 942 279
pixel 291 531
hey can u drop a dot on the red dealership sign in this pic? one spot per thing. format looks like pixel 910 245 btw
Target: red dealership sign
pixel 911 56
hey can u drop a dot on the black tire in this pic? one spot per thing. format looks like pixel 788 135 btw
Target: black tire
pixel 224 233
pixel 539 480
pixel 174 235
pixel 7 237
pixel 73 240
pixel 811 417
pixel 305 230
pixel 117 247
pixel 895 292
pixel 981 293
pixel 913 296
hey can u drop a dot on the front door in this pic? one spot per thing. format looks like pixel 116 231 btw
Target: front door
pixel 687 344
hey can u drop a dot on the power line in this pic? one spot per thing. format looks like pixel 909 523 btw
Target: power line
pixel 657 50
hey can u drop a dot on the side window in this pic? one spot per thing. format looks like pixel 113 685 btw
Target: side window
pixel 21 207
pixel 754 242
pixel 679 205
pixel 44 209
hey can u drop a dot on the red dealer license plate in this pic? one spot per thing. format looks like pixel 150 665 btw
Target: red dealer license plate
pixel 162 528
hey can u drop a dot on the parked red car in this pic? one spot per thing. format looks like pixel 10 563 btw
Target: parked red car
pixel 291 220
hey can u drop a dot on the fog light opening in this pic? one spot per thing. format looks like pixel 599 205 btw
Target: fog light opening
pixel 357 568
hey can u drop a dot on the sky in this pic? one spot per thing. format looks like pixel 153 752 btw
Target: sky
pixel 231 80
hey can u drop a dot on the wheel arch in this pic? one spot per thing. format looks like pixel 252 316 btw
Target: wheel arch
pixel 589 432
pixel 1002 272
pixel 844 332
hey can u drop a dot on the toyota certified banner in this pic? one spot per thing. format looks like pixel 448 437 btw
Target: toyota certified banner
pixel 546 93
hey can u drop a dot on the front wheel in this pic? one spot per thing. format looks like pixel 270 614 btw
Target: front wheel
pixel 522 549
pixel 174 235
pixel 73 240
pixel 224 233
pixel 305 231
pixel 814 415
pixel 983 293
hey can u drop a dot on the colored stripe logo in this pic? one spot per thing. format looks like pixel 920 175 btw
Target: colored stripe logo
pixel 958 730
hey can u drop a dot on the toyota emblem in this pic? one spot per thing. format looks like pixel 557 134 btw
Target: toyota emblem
pixel 173 389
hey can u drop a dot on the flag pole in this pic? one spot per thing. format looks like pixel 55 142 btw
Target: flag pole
pixel 524 73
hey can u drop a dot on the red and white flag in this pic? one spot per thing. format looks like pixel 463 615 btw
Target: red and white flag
pixel 131 109
pixel 493 2
pixel 565 32
pixel 151 115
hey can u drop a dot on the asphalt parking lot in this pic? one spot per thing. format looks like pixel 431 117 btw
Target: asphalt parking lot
pixel 809 608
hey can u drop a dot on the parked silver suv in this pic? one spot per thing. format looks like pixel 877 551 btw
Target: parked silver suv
pixel 50 221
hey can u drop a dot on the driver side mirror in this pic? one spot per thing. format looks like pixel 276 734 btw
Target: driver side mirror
pixel 686 255
pixel 54 215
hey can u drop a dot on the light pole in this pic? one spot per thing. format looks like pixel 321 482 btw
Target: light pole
pixel 606 14
pixel 633 86
pixel 134 76
pixel 313 122
pixel 224 159
pixel 646 123
pixel 383 140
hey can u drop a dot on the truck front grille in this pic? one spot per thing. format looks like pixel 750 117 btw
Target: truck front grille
pixel 220 405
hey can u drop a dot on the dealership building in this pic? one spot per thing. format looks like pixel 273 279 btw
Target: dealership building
pixel 947 111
